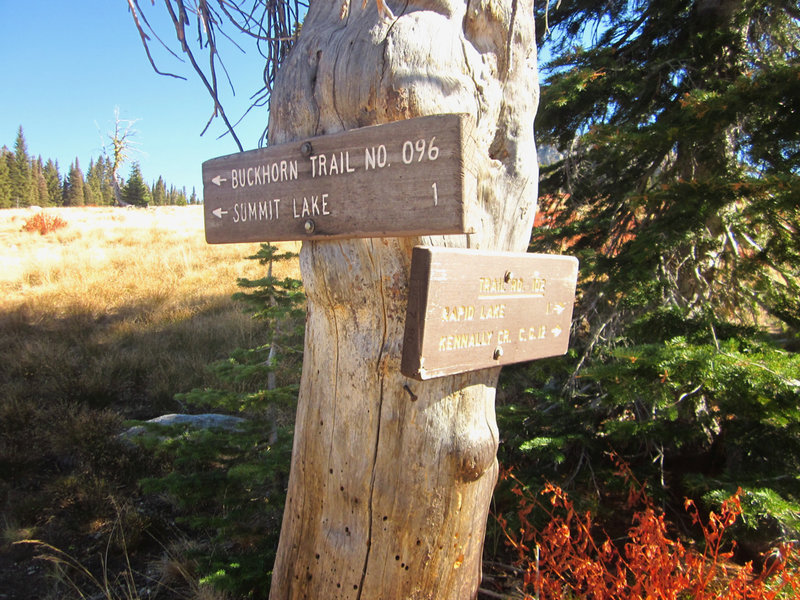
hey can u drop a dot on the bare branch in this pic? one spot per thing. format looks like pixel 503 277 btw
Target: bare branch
pixel 133 5
pixel 273 26
pixel 180 21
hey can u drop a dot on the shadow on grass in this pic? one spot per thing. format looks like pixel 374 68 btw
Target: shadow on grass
pixel 67 383
pixel 132 360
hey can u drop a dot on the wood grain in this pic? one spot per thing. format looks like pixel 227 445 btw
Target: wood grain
pixel 470 310
pixel 398 179
pixel 392 478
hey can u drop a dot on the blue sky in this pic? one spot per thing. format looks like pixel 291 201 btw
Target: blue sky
pixel 65 66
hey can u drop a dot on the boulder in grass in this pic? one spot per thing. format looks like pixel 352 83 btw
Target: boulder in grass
pixel 203 421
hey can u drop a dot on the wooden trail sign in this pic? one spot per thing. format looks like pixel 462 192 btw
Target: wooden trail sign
pixel 470 309
pixel 411 177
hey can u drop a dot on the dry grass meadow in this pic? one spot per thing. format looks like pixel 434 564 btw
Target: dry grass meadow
pixel 121 307
pixel 102 320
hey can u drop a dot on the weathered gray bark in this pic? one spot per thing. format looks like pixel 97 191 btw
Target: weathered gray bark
pixel 391 478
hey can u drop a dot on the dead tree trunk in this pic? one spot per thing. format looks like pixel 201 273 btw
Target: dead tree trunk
pixel 391 478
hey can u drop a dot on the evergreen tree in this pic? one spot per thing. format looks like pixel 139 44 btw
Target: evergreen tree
pixel 223 477
pixel 5 178
pixel 103 170
pixel 176 197
pixel 41 195
pixel 53 181
pixel 677 187
pixel 681 153
pixel 73 186
pixel 93 193
pixel 159 192
pixel 135 191
pixel 193 198
pixel 21 178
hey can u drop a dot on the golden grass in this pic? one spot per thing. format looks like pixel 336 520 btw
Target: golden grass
pixel 103 251
pixel 121 304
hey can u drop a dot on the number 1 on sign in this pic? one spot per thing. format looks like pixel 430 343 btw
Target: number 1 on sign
pixel 435 194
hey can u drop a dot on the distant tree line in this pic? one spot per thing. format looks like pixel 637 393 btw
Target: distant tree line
pixel 29 181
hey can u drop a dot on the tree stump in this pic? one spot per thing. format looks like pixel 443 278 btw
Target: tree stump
pixel 391 478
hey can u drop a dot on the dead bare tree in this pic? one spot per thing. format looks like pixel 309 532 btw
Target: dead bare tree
pixel 390 486
pixel 120 145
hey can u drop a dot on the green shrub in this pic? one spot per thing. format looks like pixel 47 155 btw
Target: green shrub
pixel 227 485
pixel 696 406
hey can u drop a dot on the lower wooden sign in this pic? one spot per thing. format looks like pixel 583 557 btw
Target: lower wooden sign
pixel 472 309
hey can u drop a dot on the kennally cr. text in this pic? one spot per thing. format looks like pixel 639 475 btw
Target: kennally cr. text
pixel 462 341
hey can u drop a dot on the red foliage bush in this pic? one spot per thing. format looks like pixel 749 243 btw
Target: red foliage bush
pixel 44 223
pixel 568 559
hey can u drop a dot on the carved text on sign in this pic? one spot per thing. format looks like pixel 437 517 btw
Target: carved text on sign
pixel 410 177
pixel 470 309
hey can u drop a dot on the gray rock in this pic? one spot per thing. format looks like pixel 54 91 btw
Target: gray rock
pixel 204 421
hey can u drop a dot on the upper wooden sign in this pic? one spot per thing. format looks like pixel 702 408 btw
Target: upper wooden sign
pixel 470 309
pixel 410 177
